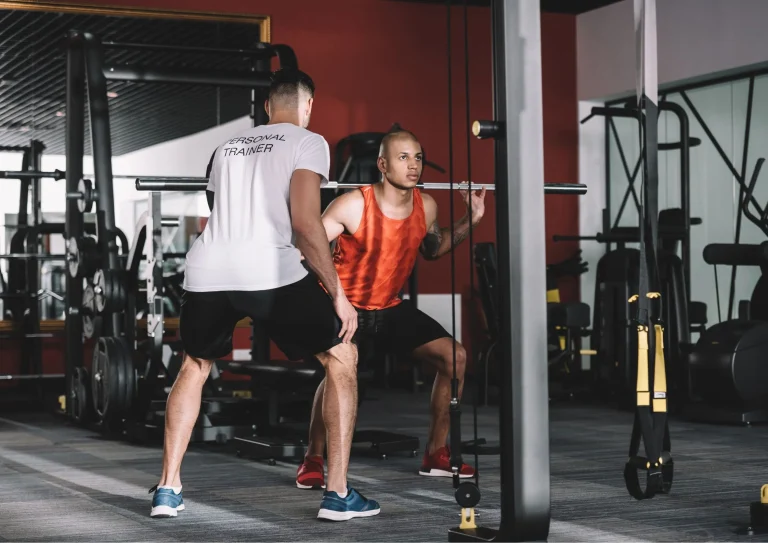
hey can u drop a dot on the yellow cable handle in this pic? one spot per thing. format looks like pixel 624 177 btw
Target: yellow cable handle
pixel 643 392
pixel 659 374
pixel 467 519
pixel 764 494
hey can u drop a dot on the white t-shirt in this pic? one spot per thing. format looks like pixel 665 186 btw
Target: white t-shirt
pixel 248 243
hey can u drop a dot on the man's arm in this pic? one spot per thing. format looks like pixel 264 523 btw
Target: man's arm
pixel 333 219
pixel 439 241
pixel 311 238
pixel 343 214
pixel 210 191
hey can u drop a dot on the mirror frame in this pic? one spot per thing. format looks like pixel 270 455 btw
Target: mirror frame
pixel 264 21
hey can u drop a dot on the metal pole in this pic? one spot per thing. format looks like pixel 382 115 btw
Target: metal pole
pixel 75 143
pixel 685 186
pixel 101 148
pixel 148 74
pixel 260 340
pixel 524 403
pixel 192 184
pixel 263 52
pixel 154 277
pixel 23 217
pixel 37 149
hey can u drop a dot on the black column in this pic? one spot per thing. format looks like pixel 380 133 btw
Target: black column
pixel 101 147
pixel 75 137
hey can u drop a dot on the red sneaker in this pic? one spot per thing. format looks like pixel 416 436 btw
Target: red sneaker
pixel 311 475
pixel 439 465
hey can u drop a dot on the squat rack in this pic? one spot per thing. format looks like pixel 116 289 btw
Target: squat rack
pixel 87 76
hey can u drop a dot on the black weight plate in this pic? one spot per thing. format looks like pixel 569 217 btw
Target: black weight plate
pixel 75 397
pixel 99 391
pixel 117 380
pixel 73 257
pixel 89 256
pixel 99 289
pixel 85 393
pixel 467 495
pixel 109 294
pixel 126 360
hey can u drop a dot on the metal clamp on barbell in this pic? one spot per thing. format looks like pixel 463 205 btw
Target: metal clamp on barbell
pixel 487 129
pixel 85 196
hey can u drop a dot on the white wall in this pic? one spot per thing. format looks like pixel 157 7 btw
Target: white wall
pixel 591 173
pixel 695 38
pixel 186 156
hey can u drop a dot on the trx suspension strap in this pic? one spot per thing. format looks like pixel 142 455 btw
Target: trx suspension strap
pixel 651 413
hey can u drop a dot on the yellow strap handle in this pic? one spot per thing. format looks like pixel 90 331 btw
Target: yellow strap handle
pixel 553 296
pixel 659 374
pixel 467 519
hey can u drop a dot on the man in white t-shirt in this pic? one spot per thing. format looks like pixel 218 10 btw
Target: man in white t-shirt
pixel 264 190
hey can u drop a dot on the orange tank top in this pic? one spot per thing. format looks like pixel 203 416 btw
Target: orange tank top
pixel 374 263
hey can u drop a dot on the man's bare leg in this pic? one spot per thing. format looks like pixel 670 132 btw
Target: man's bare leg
pixel 181 411
pixel 339 410
pixel 317 429
pixel 439 353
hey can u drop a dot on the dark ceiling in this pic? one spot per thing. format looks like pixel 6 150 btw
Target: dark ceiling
pixel 33 77
pixel 552 6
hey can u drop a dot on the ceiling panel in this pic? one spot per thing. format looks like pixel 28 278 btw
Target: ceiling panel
pixel 33 77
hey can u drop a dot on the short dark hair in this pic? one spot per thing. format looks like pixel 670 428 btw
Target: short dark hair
pixel 286 83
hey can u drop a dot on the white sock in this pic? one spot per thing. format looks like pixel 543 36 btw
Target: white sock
pixel 176 489
pixel 342 494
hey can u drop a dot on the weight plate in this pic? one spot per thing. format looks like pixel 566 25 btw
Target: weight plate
pixel 73 257
pixel 129 373
pixel 88 248
pixel 88 312
pixel 467 495
pixel 99 291
pixel 85 202
pixel 98 378
pixel 117 379
pixel 80 396
pixel 76 408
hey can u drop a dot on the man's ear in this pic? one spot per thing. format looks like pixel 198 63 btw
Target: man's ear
pixel 381 163
pixel 266 107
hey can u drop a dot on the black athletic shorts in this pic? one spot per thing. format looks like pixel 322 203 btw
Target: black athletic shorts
pixel 395 330
pixel 299 318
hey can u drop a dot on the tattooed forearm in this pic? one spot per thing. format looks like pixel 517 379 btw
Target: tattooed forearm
pixel 430 245
pixel 438 240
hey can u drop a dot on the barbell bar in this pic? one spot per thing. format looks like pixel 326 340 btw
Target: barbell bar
pixel 55 174
pixel 33 256
pixel 157 184
pixel 11 377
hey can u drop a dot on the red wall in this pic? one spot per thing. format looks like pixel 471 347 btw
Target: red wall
pixel 376 62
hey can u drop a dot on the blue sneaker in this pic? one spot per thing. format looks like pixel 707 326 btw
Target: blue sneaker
pixel 165 503
pixel 353 506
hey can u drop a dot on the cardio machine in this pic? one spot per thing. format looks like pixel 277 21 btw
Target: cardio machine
pixel 728 370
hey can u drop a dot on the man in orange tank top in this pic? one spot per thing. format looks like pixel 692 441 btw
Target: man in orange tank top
pixel 379 231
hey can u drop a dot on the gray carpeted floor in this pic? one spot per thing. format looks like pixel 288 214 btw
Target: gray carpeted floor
pixel 60 483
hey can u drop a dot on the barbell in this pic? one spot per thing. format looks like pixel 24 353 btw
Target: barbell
pixel 158 184
pixel 55 174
